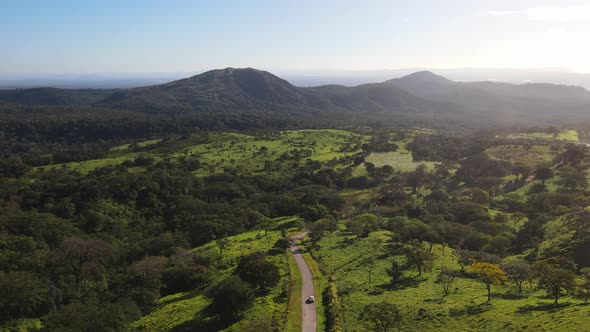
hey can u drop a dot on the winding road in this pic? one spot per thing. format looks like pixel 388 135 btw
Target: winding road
pixel 308 312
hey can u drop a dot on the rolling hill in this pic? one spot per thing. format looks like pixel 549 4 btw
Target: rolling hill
pixel 415 97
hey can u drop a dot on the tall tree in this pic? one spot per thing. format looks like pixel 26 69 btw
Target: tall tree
pixel 369 263
pixel 555 274
pixel 395 272
pixel 445 278
pixel 489 274
pixel 76 253
pixel 518 271
pixel 543 173
pixel 419 256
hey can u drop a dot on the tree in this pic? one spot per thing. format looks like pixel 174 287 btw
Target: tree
pixel 411 229
pixel 445 278
pixel 417 178
pixel 184 277
pixel 265 223
pixel 370 167
pixel 555 274
pixel 489 274
pixel 363 224
pixel 355 227
pixel 21 294
pixel 76 253
pixel 442 171
pixel 543 173
pixel 395 272
pixel 500 244
pixel 419 256
pixel 573 155
pixel 520 168
pixel 231 296
pixel 518 271
pixel 369 264
pixel 464 258
pixel 570 177
pixel 256 270
pixel 282 243
pixel 381 317
pixel 479 196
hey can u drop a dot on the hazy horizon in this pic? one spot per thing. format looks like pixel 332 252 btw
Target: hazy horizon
pixel 301 78
pixel 69 37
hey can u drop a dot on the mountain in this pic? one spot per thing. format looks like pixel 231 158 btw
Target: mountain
pixel 507 101
pixel 223 89
pixel 421 96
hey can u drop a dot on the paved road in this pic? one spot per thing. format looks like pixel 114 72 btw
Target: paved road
pixel 309 316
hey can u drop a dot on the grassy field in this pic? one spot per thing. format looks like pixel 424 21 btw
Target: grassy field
pixel 188 311
pixel 421 300
pixel 217 151
pixel 532 157
pixel 400 160
pixel 564 135
pixel 250 154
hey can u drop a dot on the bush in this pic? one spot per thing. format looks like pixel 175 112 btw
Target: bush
pixel 231 296
pixel 182 278
pixel 259 272
pixel 333 308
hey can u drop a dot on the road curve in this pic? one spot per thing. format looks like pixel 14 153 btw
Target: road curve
pixel 308 312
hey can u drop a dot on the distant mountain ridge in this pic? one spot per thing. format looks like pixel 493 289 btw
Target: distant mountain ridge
pixel 250 90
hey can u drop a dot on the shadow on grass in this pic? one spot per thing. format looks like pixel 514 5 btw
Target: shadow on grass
pixel 206 321
pixel 187 296
pixel 470 309
pixel 403 283
pixel 511 296
pixel 551 307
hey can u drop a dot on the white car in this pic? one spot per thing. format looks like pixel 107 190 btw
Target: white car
pixel 310 299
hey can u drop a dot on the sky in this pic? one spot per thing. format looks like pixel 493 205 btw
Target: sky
pixel 145 36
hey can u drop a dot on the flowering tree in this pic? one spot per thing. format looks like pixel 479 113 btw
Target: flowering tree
pixel 490 274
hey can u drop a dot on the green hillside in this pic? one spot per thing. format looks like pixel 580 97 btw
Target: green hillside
pixel 421 300
pixel 188 311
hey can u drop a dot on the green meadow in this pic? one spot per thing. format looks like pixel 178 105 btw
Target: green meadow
pixel 247 153
pixel 531 156
pixel 421 300
pixel 568 135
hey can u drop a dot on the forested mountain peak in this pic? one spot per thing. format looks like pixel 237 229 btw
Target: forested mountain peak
pixel 412 98
pixel 424 76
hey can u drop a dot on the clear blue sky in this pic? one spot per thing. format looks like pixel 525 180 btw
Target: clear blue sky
pixel 86 36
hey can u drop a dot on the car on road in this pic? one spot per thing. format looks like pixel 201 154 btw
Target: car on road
pixel 310 299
